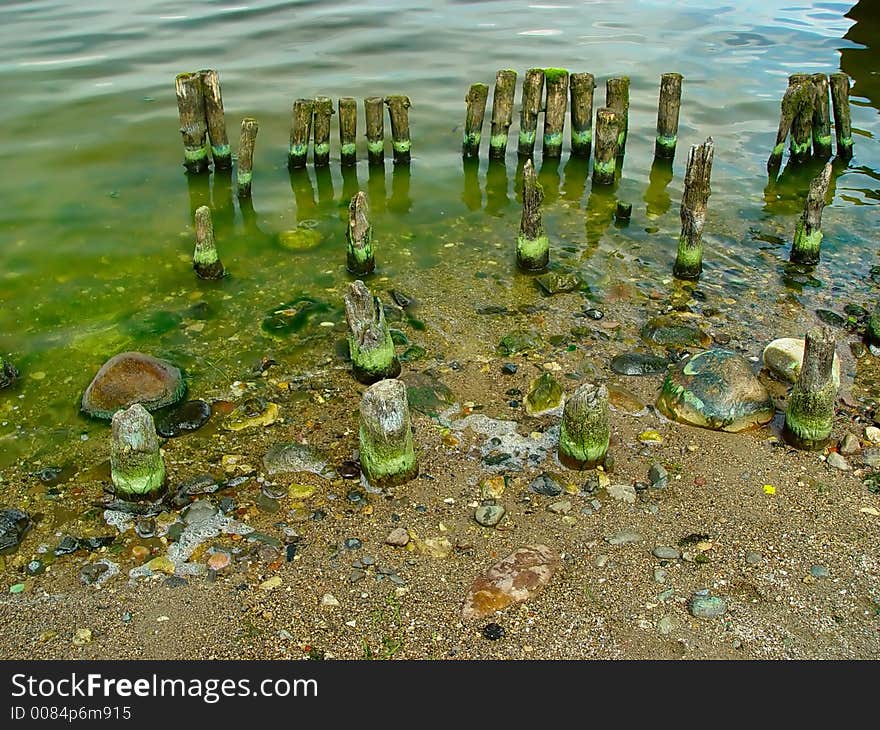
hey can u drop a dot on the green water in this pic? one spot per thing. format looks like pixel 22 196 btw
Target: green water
pixel 96 220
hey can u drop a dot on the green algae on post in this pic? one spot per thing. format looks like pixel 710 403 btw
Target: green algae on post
pixel 821 118
pixel 398 113
pixel 532 93
pixel 809 416
pixel 584 433
pixel 798 98
pixel 808 233
pixel 532 245
pixel 300 131
pixel 220 150
pixel 136 465
pixel 582 86
pixel 694 201
pixel 385 436
pixel 617 99
pixel 473 123
pixel 370 345
pixel 668 109
pixel 502 112
pixel 206 261
pixel 193 124
pixel 872 331
pixel 556 81
pixel 605 159
pixel 840 102
pixel 374 114
pixel 244 169
pixel 347 131
pixel 323 110
pixel 359 236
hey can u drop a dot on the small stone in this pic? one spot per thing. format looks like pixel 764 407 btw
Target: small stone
pixel 705 606
pixel 872 434
pixel 398 537
pixel 836 461
pixel 16 588
pixel 81 637
pixel 562 507
pixel 662 552
pixel 267 504
pixel 251 413
pixel 650 437
pixel 35 567
pixel 493 487
pixel 850 445
pixel 328 600
pixel 14 524
pixel 489 515
pixel 162 564
pixel 625 537
pixel 666 625
pixel 271 584
pixel 658 476
pixel 219 561
pixel 545 395
pixel 493 631
pixel 353 543
pixel 67 546
pixel 753 558
pixel 92 572
pixel 623 492
pixel 819 571
pixel 145 527
pixel 509 368
pixel 545 484
pixel 182 418
pixel 199 511
pixel 660 575
pixel 637 363
pixel 357 574
pixel 783 358
pixel 290 552
pixel 349 470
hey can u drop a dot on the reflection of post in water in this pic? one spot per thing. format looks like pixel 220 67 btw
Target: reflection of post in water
pixel 657 199
pixel 324 181
pixel 785 194
pixel 251 231
pixel 471 195
pixel 496 187
pixel 376 189
pixel 303 193
pixel 221 197
pixel 400 201
pixel 550 179
pixel 575 174
pixel 350 184
pixel 518 177
pixel 199 187
pixel 601 205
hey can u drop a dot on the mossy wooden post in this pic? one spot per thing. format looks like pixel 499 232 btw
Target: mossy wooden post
pixel 300 131
pixel 532 104
pixel 387 454
pixel 556 81
pixel 809 416
pixel 605 157
pixel 801 141
pixel 668 109
pixel 796 98
pixel 347 131
pixel 193 123
pixel 8 373
pixel 359 236
pixel 582 86
pixel 532 245
pixel 244 170
pixel 220 150
pixel 694 201
pixel 617 99
pixel 473 122
pixel 398 113
pixel 808 233
pixel 821 118
pixel 374 114
pixel 369 339
pixel 206 261
pixel 502 112
pixel 136 466
pixel 584 433
pixel 321 130
pixel 872 332
pixel 840 103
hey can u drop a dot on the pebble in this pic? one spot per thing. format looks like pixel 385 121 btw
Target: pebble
pixel 348 470
pixel 140 552
pixel 702 605
pixel 819 571
pixel 872 433
pixel 145 527
pixel 353 543
pixel 753 558
pixel 850 445
pixel 267 504
pixel 666 625
pixel 328 600
pixel 183 418
pixel 650 437
pixel 836 461
pixel 13 525
pixel 68 545
pixel 35 567
pixel 493 487
pixel 509 368
pixel 625 537
pixel 162 564
pixel 290 552
pixel 660 575
pixel 489 515
pixel 397 537
pixel 493 631
pixel 357 574
pixel 199 511
pixel 663 552
pixel 81 637
pixel 90 573
pixel 871 457
pixel 658 476
pixel 175 581
pixel 623 492
pixel 546 485
pixel 219 561
pixel 562 507
pixel 271 583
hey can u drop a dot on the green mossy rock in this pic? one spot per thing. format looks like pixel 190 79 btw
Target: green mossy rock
pixel 545 395
pixel 671 332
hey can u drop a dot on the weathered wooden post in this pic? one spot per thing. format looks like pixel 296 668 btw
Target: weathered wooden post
pixel 193 123
pixel 556 81
pixel 668 109
pixel 387 454
pixel 821 118
pixel 808 233
pixel 694 201
pixel 347 131
pixel 532 245
pixel 582 86
pixel 321 125
pixel 300 131
pixel 374 114
pixel 136 465
pixel 809 416
pixel 584 433
pixel 617 99
pixel 532 103
pixel 244 171
pixel 840 103
pixel 801 141
pixel 502 112
pixel 473 123
pixel 398 113
pixel 872 331
pixel 220 150
pixel 359 236
pixel 605 158
pixel 206 261
pixel 369 339
pixel 797 98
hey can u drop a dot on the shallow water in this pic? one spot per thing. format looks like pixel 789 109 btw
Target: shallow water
pixel 97 214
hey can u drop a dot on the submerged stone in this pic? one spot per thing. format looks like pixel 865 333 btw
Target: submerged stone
pixel 251 413
pixel 300 239
pixel 14 524
pixel 293 457
pixel 638 363
pixel 519 341
pixel 715 389
pixel 545 395
pixel 425 393
pixel 129 378
pixel 295 315
pixel 670 332
pixel 182 418
pixel 559 282
pixel 783 358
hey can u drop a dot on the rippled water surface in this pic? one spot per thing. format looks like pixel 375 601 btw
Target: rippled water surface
pixel 96 221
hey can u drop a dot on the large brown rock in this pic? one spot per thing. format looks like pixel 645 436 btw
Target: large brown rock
pixel 129 378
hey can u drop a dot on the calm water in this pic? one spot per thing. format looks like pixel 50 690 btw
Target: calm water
pixel 96 215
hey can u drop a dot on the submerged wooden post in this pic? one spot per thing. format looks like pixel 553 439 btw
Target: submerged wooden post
pixel 617 99
pixel 244 171
pixel 840 103
pixel 801 142
pixel 532 246
pixel 385 437
pixel 321 126
pixel 532 93
pixel 473 123
pixel 193 123
pixel 369 339
pixel 220 150
pixel 605 159
pixel 300 131
pixel 206 261
pixel 821 118
pixel 694 201
pixel 502 112
pixel 8 373
pixel 582 86
pixel 374 113
pixel 808 233
pixel 584 433
pixel 556 80
pixel 398 113
pixel 136 465
pixel 347 131
pixel 668 109
pixel 809 416
pixel 796 98
pixel 359 236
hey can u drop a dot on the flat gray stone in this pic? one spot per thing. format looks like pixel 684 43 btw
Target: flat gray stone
pixel 706 606
pixel 663 552
pixel 489 515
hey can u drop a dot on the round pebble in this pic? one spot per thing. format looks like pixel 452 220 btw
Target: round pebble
pixel 663 552
pixel 218 561
pixel 819 571
pixel 706 606
pixel 489 515
pixel 493 631
pixel 140 552
pixel 349 470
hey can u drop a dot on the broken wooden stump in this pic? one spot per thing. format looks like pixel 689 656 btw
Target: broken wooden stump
pixel 359 237
pixel 374 114
pixel 797 99
pixel 694 202
pixel 668 109
pixel 244 170
pixel 809 416
pixel 839 83
pixel 369 340
pixel 473 123
pixel 300 131
pixel 323 111
pixel 532 245
pixel 398 113
pixel 206 260
pixel 216 120
pixel 808 233
pixel 502 112
pixel 387 454
pixel 193 123
pixel 582 86
pixel 617 99
pixel 556 82
pixel 531 105
pixel 821 117
pixel 584 433
pixel 137 469
pixel 347 131
pixel 605 157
